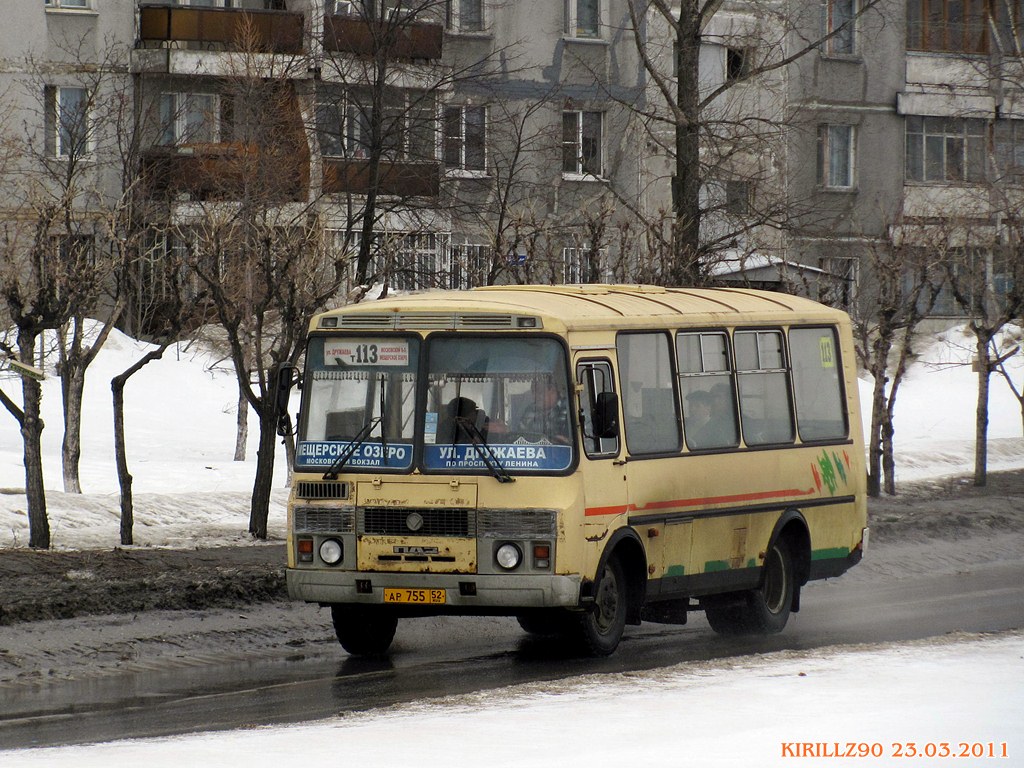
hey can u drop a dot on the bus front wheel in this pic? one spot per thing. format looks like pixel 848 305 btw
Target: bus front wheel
pixel 600 629
pixel 363 631
pixel 761 611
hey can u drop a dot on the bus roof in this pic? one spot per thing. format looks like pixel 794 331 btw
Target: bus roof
pixel 575 307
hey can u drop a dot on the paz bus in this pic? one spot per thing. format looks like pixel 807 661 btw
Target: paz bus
pixel 578 457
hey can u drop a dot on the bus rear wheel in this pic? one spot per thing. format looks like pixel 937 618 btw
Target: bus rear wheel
pixel 761 611
pixel 600 629
pixel 363 631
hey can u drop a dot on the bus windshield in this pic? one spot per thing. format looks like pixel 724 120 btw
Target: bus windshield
pixel 496 403
pixel 510 393
pixel 359 405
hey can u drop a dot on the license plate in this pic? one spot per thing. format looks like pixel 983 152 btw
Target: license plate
pixel 416 596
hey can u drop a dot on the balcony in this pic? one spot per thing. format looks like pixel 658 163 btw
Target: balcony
pixel 223 29
pixel 400 40
pixel 226 172
pixel 401 179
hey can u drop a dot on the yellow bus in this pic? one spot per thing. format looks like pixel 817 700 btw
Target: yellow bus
pixel 579 457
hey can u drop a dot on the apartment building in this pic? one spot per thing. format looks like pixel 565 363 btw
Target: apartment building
pixel 430 142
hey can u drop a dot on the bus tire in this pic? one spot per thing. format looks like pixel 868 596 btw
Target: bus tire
pixel 363 631
pixel 599 630
pixel 761 611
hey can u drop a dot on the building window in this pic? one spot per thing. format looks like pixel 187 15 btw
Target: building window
pixel 470 265
pixel 581 143
pixel 737 197
pixel 67 112
pixel 337 7
pixel 465 138
pixel 956 26
pixel 584 264
pixel 68 4
pixel 189 118
pixel 945 149
pixel 583 18
pixel 835 156
pixel 407 125
pixel 1009 150
pixel 466 15
pixel 738 64
pixel 838 19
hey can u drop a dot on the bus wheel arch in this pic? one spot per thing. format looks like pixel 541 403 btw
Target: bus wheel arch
pixel 793 529
pixel 614 597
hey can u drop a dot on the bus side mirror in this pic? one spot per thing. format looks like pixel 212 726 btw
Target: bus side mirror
pixel 606 415
pixel 284 379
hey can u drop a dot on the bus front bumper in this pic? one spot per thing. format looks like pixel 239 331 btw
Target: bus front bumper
pixel 464 593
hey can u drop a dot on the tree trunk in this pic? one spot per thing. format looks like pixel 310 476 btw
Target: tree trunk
pixel 875 451
pixel 72 387
pixel 31 433
pixel 124 477
pixel 242 430
pixel 260 509
pixel 685 269
pixel 981 419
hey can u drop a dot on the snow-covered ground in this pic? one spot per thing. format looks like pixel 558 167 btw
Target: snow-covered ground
pixel 938 698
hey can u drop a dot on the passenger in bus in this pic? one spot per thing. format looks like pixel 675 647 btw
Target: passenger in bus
pixel 713 424
pixel 697 416
pixel 548 414
pixel 460 415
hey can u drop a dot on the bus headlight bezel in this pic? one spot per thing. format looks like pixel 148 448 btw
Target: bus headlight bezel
pixel 508 556
pixel 332 551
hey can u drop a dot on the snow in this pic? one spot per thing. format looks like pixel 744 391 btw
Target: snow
pixel 746 711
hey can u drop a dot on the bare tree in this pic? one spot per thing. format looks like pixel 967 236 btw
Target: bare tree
pixel 890 302
pixel 987 282
pixel 715 134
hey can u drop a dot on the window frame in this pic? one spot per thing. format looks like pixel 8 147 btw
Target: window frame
pixel 632 424
pixel 463 141
pixel 836 361
pixel 716 377
pixel 586 378
pixel 69 6
pixel 574 146
pixel 571 15
pixel 178 119
pixel 65 130
pixel 763 370
pixel 825 156
pixel 935 136
pixel 454 17
pixel 845 43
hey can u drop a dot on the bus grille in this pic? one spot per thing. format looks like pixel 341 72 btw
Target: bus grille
pixel 533 523
pixel 324 520
pixel 314 490
pixel 386 521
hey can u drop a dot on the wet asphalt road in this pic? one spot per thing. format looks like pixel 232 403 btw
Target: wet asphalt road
pixel 439 657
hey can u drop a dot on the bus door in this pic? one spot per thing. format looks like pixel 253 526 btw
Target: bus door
pixel 604 481
pixel 656 482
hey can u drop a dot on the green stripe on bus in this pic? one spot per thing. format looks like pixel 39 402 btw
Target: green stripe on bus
pixel 830 554
pixel 713 566
pixel 675 570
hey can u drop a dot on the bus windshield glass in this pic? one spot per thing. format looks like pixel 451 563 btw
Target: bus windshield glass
pixel 360 403
pixel 508 393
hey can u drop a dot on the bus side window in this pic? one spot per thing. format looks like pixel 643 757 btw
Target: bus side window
pixel 766 412
pixel 648 393
pixel 820 405
pixel 706 388
pixel 597 397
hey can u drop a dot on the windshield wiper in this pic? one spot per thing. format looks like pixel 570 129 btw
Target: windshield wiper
pixel 483 450
pixel 360 438
pixel 352 447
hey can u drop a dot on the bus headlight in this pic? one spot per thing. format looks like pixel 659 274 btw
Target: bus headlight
pixel 331 551
pixel 508 556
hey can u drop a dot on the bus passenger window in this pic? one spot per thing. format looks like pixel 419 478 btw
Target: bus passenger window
pixel 820 411
pixel 648 399
pixel 765 409
pixel 705 383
